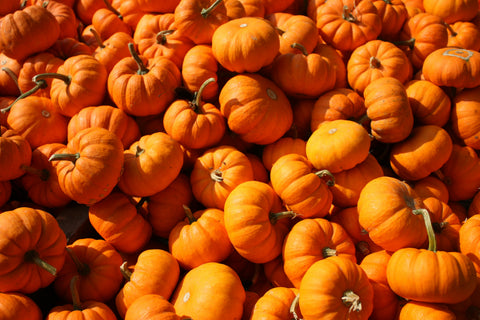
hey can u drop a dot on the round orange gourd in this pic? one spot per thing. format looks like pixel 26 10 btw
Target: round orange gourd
pixel 17 306
pixel 275 304
pixel 151 307
pixel 452 11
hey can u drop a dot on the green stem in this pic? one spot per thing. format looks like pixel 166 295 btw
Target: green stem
pixel 12 76
pixel 77 304
pixel 432 241
pixel 127 274
pixel 161 37
pixel 189 214
pixel 111 8
pixel 300 47
pixel 44 174
pixel 32 256
pixel 138 151
pixel 82 268
pixel 275 216
pixel 195 104
pixel 40 84
pixel 65 156
pixel 294 306
pixel 328 252
pixel 326 175
pixel 450 29
pixel 97 37
pixel 206 11
pixel 142 69
pixel 347 15
pixel 52 75
pixel 409 43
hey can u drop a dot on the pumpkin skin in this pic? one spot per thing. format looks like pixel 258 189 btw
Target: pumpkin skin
pixel 295 29
pixel 210 284
pixel 464 34
pixel 244 8
pixel 424 310
pixel 442 286
pixel 302 189
pixel 274 304
pixel 155 155
pixel 42 62
pixel 27 233
pixel 389 111
pixel 286 145
pixel 28 31
pixel 250 220
pixel 151 307
pixel 246 44
pixel 464 118
pixel 431 186
pixel 346 25
pixel 338 145
pixel 393 14
pixel 468 238
pixel 446 224
pixel 14 151
pixel 107 22
pixel 92 166
pixel 311 240
pixel 156 272
pixel 334 278
pixel 452 11
pixel 461 67
pixel 112 49
pixel 17 306
pixel 388 216
pixel 9 67
pixel 426 150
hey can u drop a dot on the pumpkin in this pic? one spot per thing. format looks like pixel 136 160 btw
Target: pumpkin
pixel 452 11
pixel 424 310
pixel 15 151
pixel 272 6
pixel 195 124
pixel 338 145
pixel 151 306
pixel 336 59
pixel 96 263
pixel 69 47
pixel 246 44
pixel 10 72
pixel 385 302
pixel 425 150
pixel 43 62
pixel 377 59
pixel 431 186
pixel 65 16
pixel 391 217
pixel 27 31
pixel 283 146
pixel 468 239
pixel 85 9
pixel 339 103
pixel 389 111
pixel 167 6
pixel 200 239
pixel 346 24
pixel 90 165
pixel 111 50
pixel 302 189
pixel 199 19
pixel 464 34
pixel 464 117
pixel 140 88
pixel 274 304
pixel 393 14
pixel 41 180
pixel 460 67
pixel 118 219
pixel 156 272
pixel 260 173
pixel 17 306
pixel 32 249
pixel 294 29
pixel 453 278
pixel 275 273
pixel 210 291
pixel 310 240
pixel 9 6
pixel 253 220
pixel 343 283
pixel 91 309
pixel 244 8
pixel 217 172
pixel 150 164
pixel 107 21
pixel 446 224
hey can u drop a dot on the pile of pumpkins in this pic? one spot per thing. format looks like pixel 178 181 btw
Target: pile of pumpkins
pixel 240 159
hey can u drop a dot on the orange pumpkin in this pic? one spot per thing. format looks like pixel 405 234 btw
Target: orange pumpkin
pixel 286 145
pixel 15 151
pixel 294 28
pixel 151 306
pixel 424 310
pixel 469 241
pixel 17 306
pixel 275 304
pixel 452 11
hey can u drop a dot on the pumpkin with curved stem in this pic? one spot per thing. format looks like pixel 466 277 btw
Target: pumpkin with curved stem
pixel 302 189
pixel 389 111
pixel 21 30
pixel 446 224
pixel 43 62
pixel 346 24
pixel 396 223
pixel 295 29
pixel 156 272
pixel 217 172
pixel 255 222
pixel 33 248
pixel 246 44
pixel 343 283
pixel 9 73
pixel 440 286
pixel 41 181
pixel 15 151
pixel 377 59
pixel 195 124
pixel 111 50
pixel 464 34
pixel 151 306
pixel 108 21
pixel 140 88
pixel 311 240
pixel 338 145
pixel 150 164
pixel 275 304
pixel 90 166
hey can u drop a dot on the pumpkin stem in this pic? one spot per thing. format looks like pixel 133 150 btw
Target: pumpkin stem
pixel 280 31
pixel 141 202
pixel 352 301
pixel 409 43
pixel 432 241
pixel 44 174
pixel 326 175
pixel 77 304
pixel 328 252
pixel 23 4
pixel 275 216
pixel 127 274
pixel 294 307
pixel 33 257
pixel 138 151
pixel 195 104
pixel 442 177
pixel 450 29
pixel 189 214
pixel 206 11
pixel 375 63
pixel 161 36
pixel 142 69
pixel 65 156
pixel 41 84
pixel 216 175
pixel 12 76
pixel 300 47
pixel 363 247
pixel 42 76
pixel 97 37
pixel 347 15
pixel 82 268
pixel 111 8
